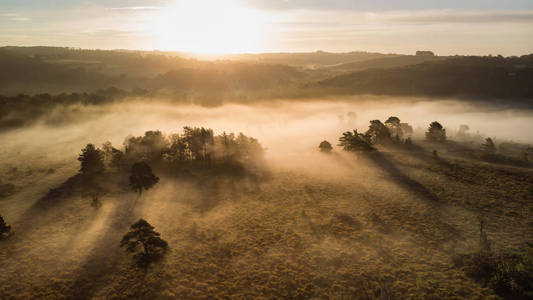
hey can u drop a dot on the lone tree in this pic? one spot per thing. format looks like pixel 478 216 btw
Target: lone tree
pixel 145 243
pixel 488 147
pixel 5 229
pixel 142 178
pixel 325 147
pixel 436 133
pixel 355 142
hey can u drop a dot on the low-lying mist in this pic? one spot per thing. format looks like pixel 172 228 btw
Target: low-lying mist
pixel 283 127
pixel 383 222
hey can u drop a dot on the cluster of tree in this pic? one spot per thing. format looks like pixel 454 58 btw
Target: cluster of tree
pixel 476 77
pixel 393 131
pixel 24 110
pixel 195 147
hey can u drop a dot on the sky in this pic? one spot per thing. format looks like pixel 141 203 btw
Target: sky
pixel 446 27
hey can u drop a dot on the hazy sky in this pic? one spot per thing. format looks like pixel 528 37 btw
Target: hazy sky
pixel 444 26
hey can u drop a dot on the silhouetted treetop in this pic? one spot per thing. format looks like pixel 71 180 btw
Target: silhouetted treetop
pixel 142 177
pixel 355 142
pixel 325 147
pixel 146 243
pixel 91 161
pixel 378 133
pixel 5 229
pixel 488 147
pixel 436 132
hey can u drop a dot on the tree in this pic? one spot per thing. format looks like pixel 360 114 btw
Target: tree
pixel 436 133
pixel 394 126
pixel 378 133
pixel 146 243
pixel 92 165
pixel 142 177
pixel 488 147
pixel 91 161
pixel 407 130
pixel 325 147
pixel 5 229
pixel 354 142
pixel 463 131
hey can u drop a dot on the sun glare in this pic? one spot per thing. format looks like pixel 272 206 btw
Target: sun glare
pixel 207 26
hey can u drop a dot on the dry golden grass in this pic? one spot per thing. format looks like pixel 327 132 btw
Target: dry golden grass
pixel 338 227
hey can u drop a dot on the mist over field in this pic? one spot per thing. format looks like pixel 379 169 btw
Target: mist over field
pixel 179 149
pixel 330 214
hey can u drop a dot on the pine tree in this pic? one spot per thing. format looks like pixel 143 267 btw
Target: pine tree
pixel 146 243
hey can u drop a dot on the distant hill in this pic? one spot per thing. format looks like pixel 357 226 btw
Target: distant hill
pixel 55 70
pixel 309 60
pixel 383 63
pixel 477 77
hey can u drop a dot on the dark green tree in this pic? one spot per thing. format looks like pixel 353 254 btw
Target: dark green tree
pixel 436 133
pixel 378 133
pixel 142 177
pixel 394 126
pixel 91 161
pixel 355 142
pixel 92 167
pixel 145 243
pixel 325 147
pixel 5 229
pixel 488 147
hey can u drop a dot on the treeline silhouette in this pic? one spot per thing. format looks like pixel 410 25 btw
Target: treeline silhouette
pixel 476 77
pixel 38 70
pixel 194 149
pixel 22 110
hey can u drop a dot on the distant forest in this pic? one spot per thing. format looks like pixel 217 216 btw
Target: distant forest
pixel 53 70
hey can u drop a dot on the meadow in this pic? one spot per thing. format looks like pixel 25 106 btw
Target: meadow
pixel 393 224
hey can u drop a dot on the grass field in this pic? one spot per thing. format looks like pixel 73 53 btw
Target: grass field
pixel 338 226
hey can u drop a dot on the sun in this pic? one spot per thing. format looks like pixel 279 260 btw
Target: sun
pixel 209 26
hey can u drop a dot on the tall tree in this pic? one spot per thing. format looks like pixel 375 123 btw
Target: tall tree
pixel 91 161
pixel 436 132
pixel 146 243
pixel 92 166
pixel 142 177
pixel 394 125
pixel 378 133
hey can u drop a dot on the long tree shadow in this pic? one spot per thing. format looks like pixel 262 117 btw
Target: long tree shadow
pixel 44 210
pixel 104 258
pixel 401 178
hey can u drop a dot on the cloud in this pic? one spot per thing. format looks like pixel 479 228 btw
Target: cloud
pixel 136 8
pixel 14 17
pixel 389 5
pixel 451 16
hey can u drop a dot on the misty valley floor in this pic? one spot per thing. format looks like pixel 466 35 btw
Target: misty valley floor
pixel 337 227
